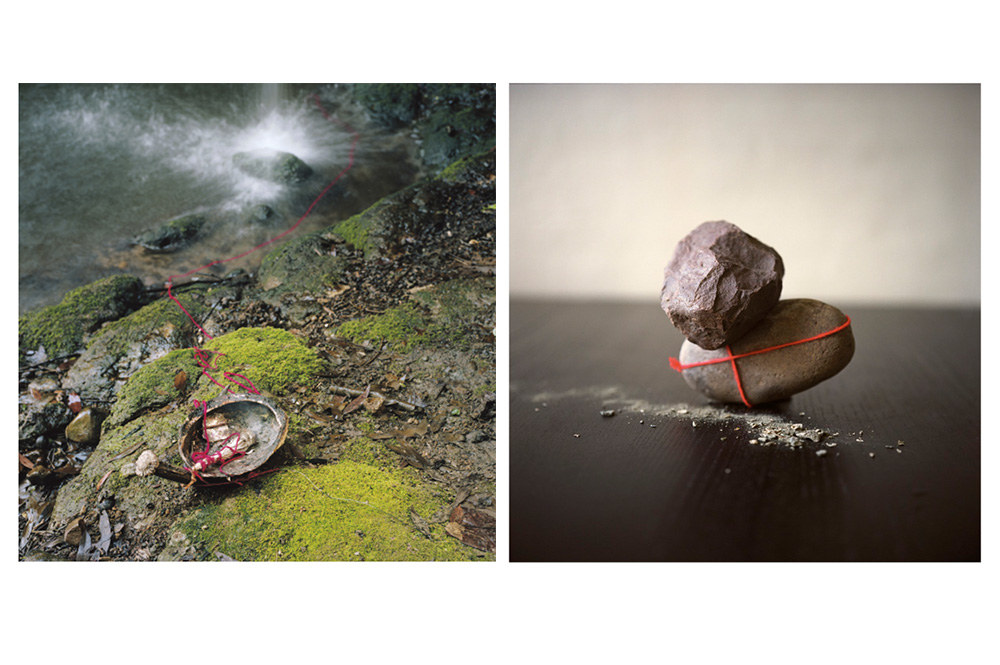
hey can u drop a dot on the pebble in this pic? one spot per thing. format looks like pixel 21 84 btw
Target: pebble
pixel 85 427
pixel 720 282
pixel 778 374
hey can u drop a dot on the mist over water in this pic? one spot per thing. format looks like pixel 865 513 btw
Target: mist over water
pixel 100 164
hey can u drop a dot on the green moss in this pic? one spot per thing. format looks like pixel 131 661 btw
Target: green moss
pixel 158 432
pixel 343 512
pixel 364 450
pixel 61 328
pixel 303 265
pixel 359 230
pixel 152 386
pixel 274 360
pixel 119 335
pixel 453 307
pixel 482 390
pixel 404 326
pixel 469 169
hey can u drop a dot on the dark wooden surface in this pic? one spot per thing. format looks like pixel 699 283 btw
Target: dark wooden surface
pixel 625 491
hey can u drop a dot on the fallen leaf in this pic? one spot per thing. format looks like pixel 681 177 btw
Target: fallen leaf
pixel 481 539
pixel 357 402
pixel 420 523
pixel 103 478
pixel 374 403
pixel 74 532
pixel 409 455
pixel 25 462
pixel 413 430
pixel 479 519
pixel 180 380
pixel 74 403
pixel 104 524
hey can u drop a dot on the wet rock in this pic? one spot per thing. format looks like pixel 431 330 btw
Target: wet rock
pixel 172 236
pixel 720 283
pixel 42 475
pixel 780 373
pixel 37 419
pixel 86 427
pixel 61 328
pixel 123 347
pixel 392 105
pixel 273 165
pixel 259 213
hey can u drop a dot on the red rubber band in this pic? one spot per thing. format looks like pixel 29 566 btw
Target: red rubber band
pixel 731 358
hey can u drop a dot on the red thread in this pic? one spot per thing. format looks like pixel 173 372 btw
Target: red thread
pixel 204 357
pixel 350 163
pixel 677 365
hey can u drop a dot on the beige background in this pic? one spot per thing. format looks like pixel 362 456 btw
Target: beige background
pixel 871 193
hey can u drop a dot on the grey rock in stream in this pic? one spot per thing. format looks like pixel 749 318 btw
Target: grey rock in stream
pixel 274 165
pixel 171 236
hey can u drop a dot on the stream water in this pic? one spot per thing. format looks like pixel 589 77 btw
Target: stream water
pixel 100 164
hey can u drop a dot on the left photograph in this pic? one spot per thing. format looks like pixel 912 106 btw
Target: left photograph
pixel 257 322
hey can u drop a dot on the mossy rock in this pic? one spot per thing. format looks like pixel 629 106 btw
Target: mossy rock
pixel 159 432
pixel 450 134
pixel 171 236
pixel 439 316
pixel 471 170
pixel 392 105
pixel 121 347
pixel 273 165
pixel 348 511
pixel 372 230
pixel 61 329
pixel 274 360
pixel 302 265
pixel 153 386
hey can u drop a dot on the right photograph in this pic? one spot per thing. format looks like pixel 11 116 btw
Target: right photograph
pixel 745 322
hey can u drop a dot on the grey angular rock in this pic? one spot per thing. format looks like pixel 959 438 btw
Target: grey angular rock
pixel 780 373
pixel 720 282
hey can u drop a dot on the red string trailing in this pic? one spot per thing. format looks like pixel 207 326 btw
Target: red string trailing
pixel 731 358
pixel 350 164
pixel 205 358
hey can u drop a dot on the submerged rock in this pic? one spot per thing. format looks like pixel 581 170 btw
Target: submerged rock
pixel 720 283
pixel 274 165
pixel 780 373
pixel 172 236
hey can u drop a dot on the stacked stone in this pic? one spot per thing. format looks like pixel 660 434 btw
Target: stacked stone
pixel 722 290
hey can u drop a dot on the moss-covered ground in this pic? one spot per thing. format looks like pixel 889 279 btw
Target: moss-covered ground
pixel 273 359
pixel 349 511
pixel 439 316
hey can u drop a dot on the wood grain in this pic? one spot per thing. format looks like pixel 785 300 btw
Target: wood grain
pixel 645 485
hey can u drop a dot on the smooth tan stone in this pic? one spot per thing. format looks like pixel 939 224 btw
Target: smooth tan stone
pixel 780 373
